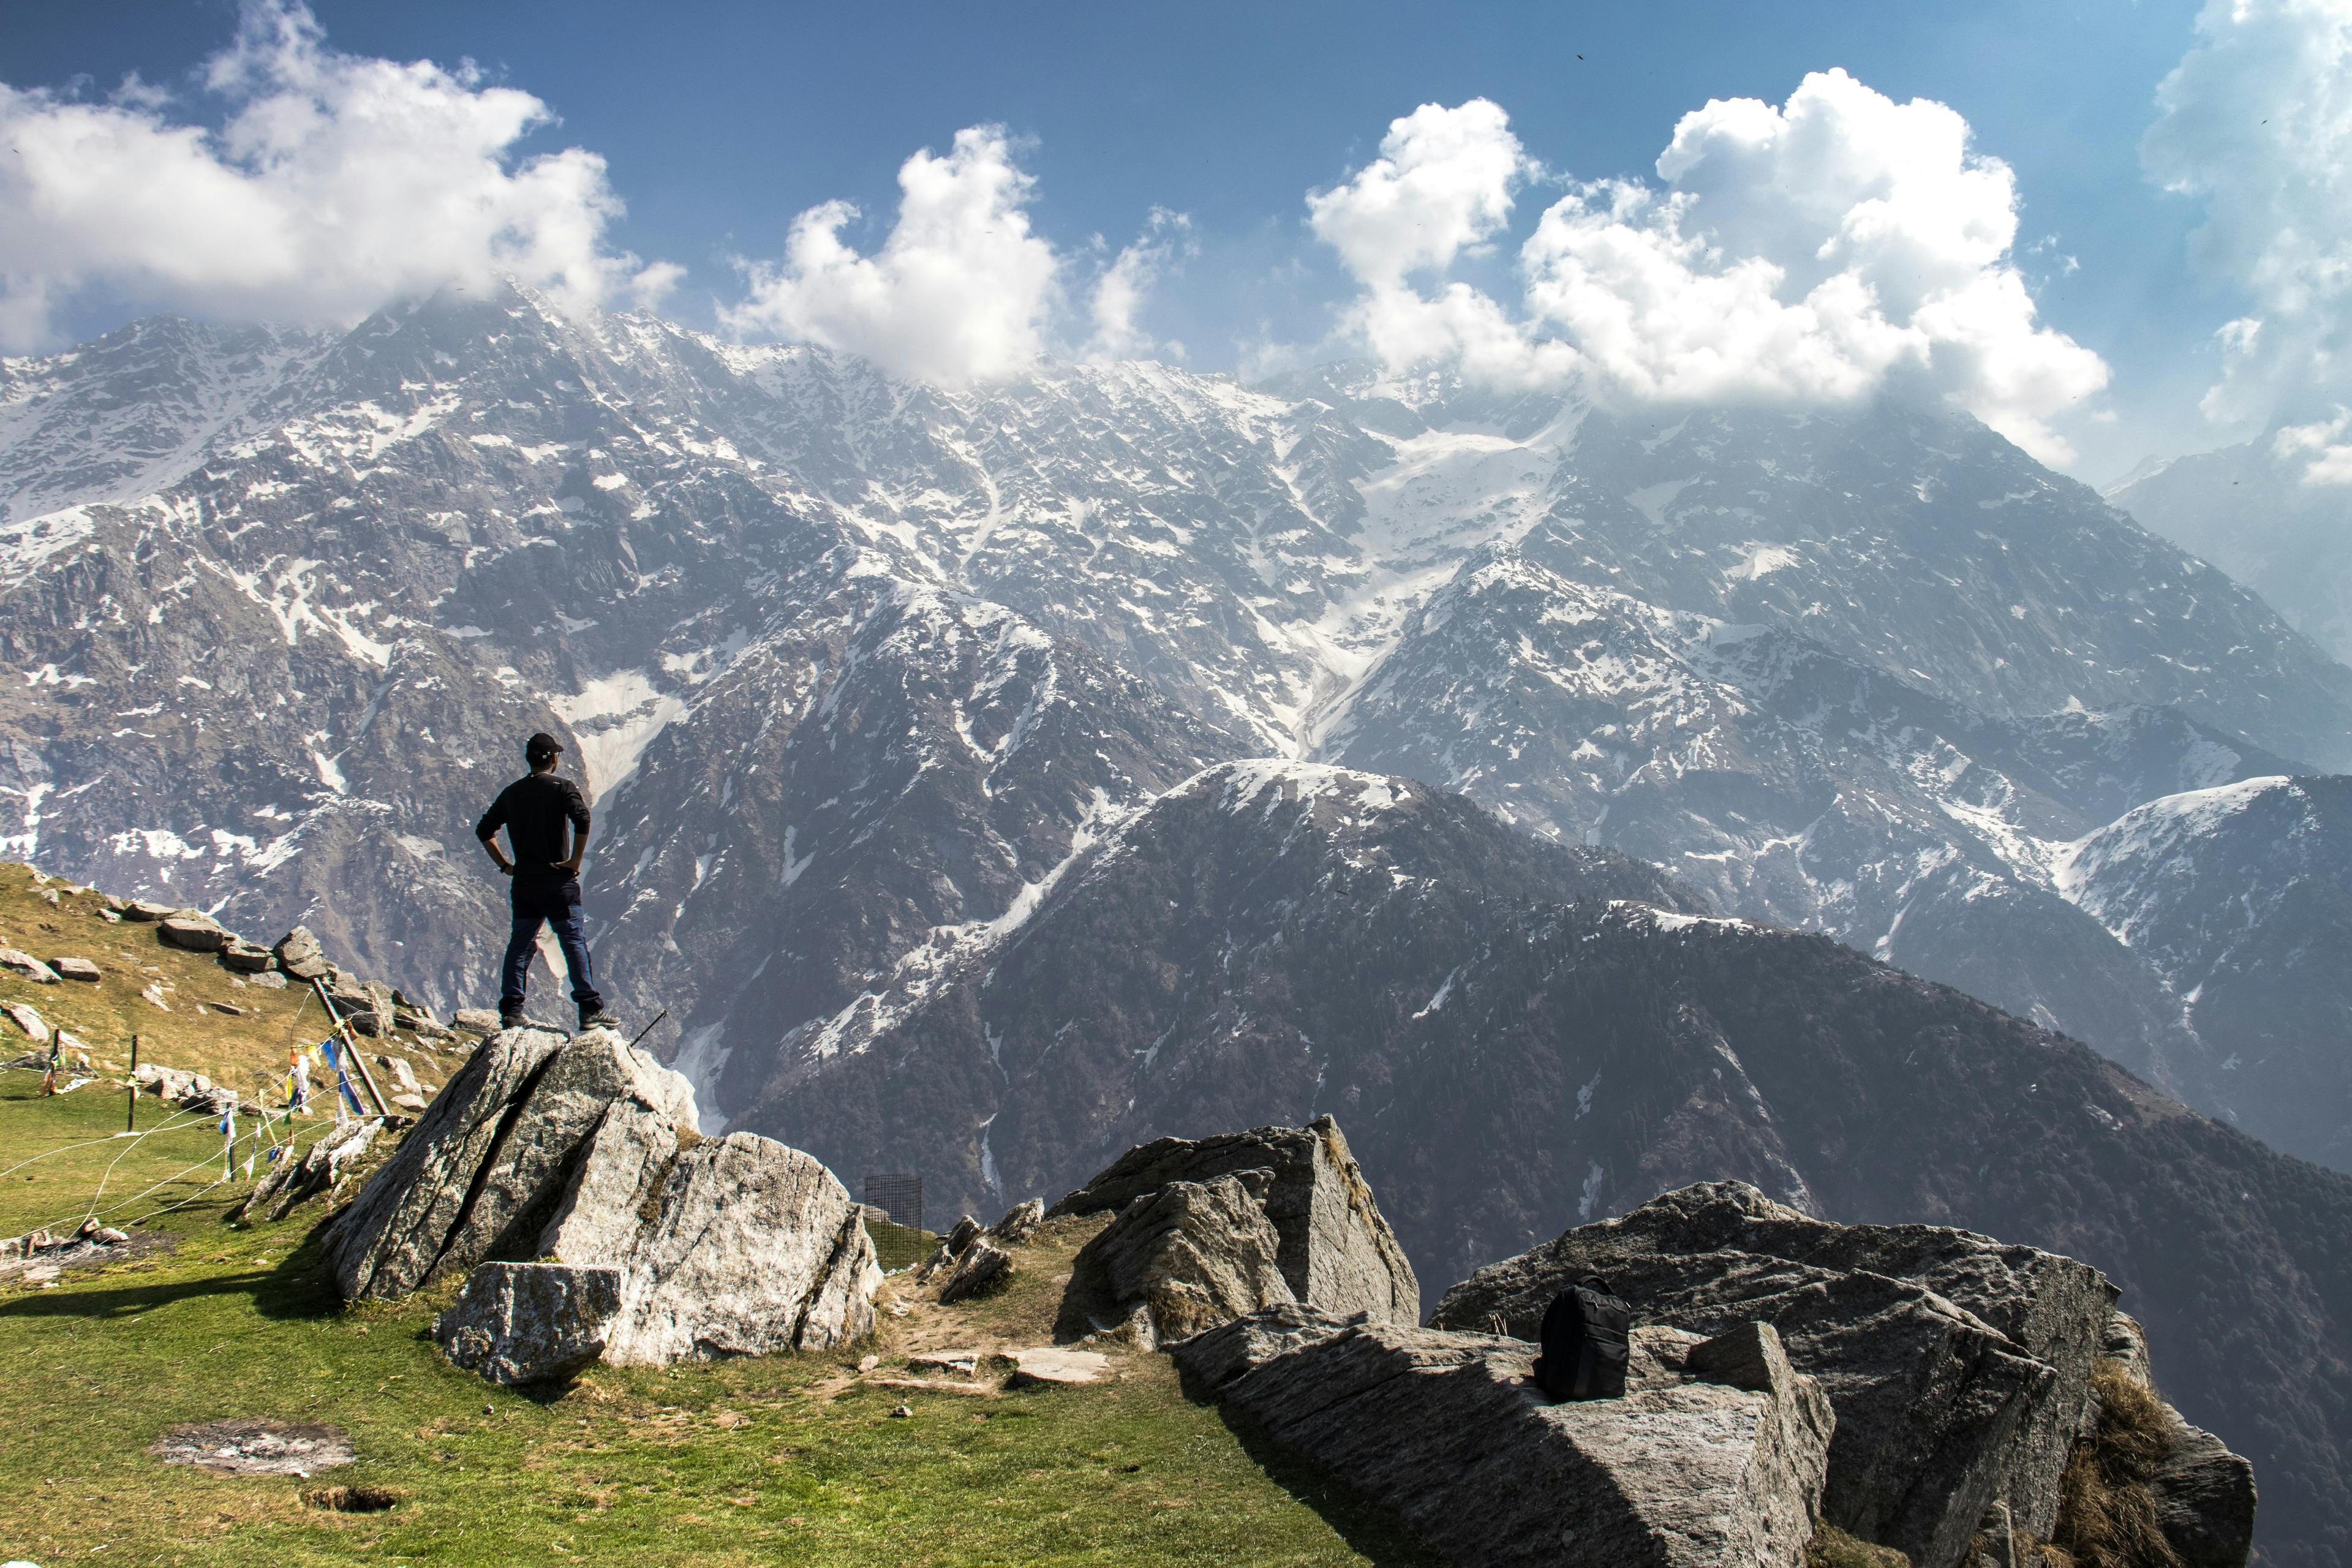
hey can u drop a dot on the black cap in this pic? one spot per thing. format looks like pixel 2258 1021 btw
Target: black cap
pixel 540 747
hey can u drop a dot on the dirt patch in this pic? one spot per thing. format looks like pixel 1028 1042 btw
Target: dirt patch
pixel 259 1446
pixel 351 1500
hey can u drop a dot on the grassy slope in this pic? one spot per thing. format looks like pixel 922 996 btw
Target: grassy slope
pixel 188 1032
pixel 783 1460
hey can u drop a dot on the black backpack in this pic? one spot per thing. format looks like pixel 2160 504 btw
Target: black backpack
pixel 1584 1343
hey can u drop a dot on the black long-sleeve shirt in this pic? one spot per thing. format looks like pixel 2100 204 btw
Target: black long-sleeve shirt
pixel 533 811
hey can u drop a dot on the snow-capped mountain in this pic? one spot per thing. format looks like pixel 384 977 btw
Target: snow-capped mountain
pixel 853 665
pixel 2238 895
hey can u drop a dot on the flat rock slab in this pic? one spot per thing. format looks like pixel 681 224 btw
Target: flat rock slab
pixel 1449 1432
pixel 257 1447
pixel 1051 1363
pixel 80 969
pixel 530 1322
pixel 963 1363
pixel 194 933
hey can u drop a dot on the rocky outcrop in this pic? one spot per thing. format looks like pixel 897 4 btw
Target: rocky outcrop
pixel 1334 1250
pixel 530 1322
pixel 1715 1455
pixel 2202 1495
pixel 1178 1260
pixel 983 1266
pixel 1959 1367
pixel 588 1153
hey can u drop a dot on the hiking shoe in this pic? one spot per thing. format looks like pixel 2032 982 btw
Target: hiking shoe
pixel 599 1019
pixel 511 1019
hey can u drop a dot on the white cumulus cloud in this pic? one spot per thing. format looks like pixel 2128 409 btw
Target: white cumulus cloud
pixel 1815 251
pixel 334 185
pixel 962 289
pixel 2257 120
pixel 1126 284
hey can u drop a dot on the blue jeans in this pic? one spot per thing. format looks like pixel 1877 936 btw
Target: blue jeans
pixel 556 904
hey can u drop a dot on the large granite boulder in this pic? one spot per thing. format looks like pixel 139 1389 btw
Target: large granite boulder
pixel 1714 1458
pixel 588 1153
pixel 1179 1259
pixel 1959 1367
pixel 1335 1252
pixel 530 1322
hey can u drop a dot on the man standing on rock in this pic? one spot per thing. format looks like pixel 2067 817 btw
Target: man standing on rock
pixel 537 811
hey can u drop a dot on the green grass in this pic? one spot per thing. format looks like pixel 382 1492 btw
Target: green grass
pixel 899 1247
pixel 783 1460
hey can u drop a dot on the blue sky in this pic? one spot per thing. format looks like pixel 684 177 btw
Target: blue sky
pixel 717 124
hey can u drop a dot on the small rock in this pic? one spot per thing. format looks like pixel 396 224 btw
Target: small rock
pixel 242 957
pixel 899 1308
pixel 38 1241
pixel 902 1411
pixel 962 1363
pixel 26 965
pixel 74 968
pixel 111 917
pixel 867 1363
pixel 412 1104
pixel 154 995
pixel 192 930
pixel 298 954
pixel 962 1234
pixel 107 1235
pixel 27 1019
pixel 403 1077
pixel 981 1267
pixel 231 1008
pixel 530 1322
pixel 479 1020
pixel 269 979
pixel 141 910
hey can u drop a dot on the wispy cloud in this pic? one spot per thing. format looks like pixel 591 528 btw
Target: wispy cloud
pixel 2256 121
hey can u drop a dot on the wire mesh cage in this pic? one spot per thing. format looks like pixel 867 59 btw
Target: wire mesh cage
pixel 900 1195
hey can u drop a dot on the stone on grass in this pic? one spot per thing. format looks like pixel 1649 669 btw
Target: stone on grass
pixel 1692 1467
pixel 530 1322
pixel 300 955
pixel 403 1077
pixel 1053 1365
pixel 26 965
pixel 142 910
pixel 193 930
pixel 1179 1259
pixel 1019 1224
pixel 1337 1252
pixel 26 1018
pixel 242 957
pixel 80 969
pixel 983 1268
pixel 587 1151
pixel 1959 1367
